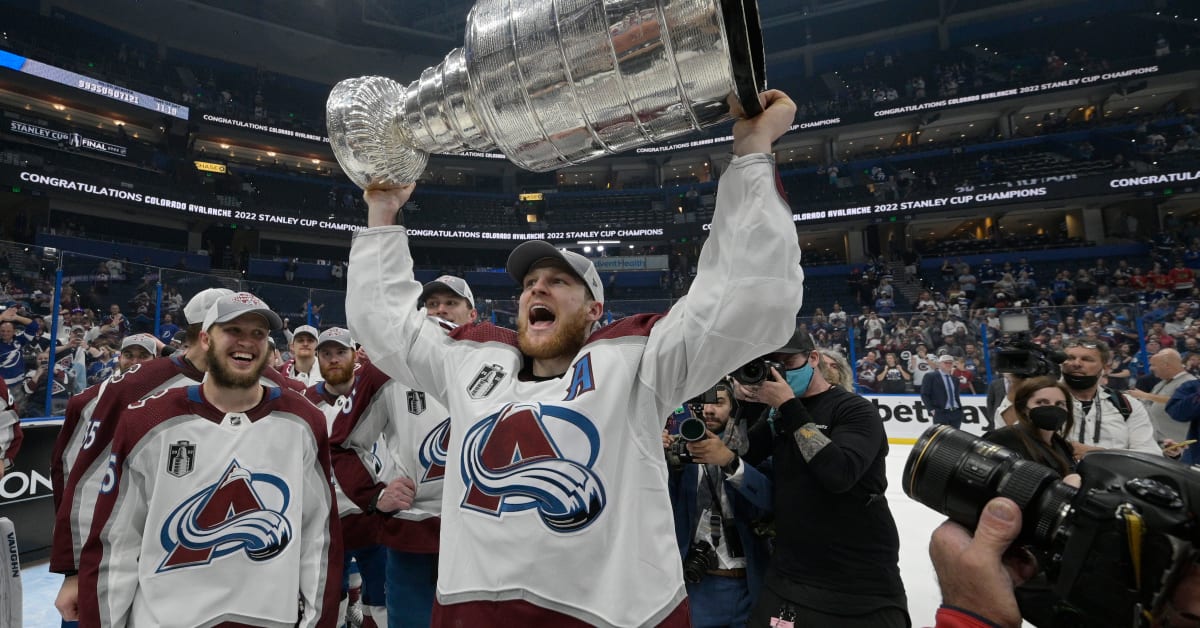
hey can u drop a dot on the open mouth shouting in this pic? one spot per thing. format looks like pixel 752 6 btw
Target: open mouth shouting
pixel 541 317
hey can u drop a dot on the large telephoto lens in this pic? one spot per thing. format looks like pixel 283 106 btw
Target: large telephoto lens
pixel 956 474
pixel 692 429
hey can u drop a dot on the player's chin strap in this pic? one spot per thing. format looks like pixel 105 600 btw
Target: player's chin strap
pixel 1134 529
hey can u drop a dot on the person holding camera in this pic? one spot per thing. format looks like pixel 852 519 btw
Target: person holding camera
pixel 836 560
pixel 1107 419
pixel 717 501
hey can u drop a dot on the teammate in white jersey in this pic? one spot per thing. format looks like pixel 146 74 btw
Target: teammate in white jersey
pixel 303 366
pixel 416 430
pixel 555 510
pixel 217 507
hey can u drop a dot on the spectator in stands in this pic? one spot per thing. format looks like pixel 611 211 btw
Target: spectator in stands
pixel 13 341
pixel 1121 367
pixel 115 323
pixel 867 371
pixel 892 378
pixel 168 329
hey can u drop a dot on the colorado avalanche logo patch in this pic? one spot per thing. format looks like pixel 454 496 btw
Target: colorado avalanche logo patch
pixel 531 456
pixel 243 512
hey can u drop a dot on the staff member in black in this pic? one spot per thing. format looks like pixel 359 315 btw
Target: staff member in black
pixel 939 393
pixel 836 560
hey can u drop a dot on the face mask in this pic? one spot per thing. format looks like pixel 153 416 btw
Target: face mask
pixel 799 379
pixel 1080 382
pixel 1048 417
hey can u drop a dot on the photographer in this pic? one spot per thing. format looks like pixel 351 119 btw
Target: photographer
pixel 837 548
pixel 724 560
pixel 977 572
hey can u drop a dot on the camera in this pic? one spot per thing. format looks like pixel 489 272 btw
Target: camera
pixel 1112 549
pixel 700 558
pixel 691 429
pixel 1026 359
pixel 756 372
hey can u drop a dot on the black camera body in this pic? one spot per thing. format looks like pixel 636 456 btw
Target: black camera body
pixel 700 558
pixel 1026 359
pixel 1112 549
pixel 756 371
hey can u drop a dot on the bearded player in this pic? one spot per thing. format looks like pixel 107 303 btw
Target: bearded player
pixel 555 509
pixel 216 506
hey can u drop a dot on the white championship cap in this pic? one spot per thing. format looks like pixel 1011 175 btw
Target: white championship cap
pixel 447 283
pixel 236 304
pixel 527 254
pixel 199 305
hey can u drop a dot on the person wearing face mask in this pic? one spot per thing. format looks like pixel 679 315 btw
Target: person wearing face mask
pixel 1105 418
pixel 836 559
pixel 1044 414
pixel 1043 409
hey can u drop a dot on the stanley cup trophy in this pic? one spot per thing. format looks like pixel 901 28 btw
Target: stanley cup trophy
pixel 551 83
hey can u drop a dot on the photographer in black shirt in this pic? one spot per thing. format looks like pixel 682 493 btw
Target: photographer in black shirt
pixel 836 546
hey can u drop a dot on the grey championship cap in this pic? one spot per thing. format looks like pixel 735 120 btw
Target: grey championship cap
pixel 524 256
pixel 800 342
pixel 236 304
pixel 197 307
pixel 340 335
pixel 447 283
pixel 306 329
pixel 145 341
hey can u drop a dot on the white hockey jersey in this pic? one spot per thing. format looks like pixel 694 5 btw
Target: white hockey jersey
pixel 555 490
pixel 206 517
pixel 403 433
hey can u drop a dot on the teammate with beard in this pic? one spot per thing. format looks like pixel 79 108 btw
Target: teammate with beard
pixel 303 365
pixel 216 507
pixel 415 429
pixel 346 392
pixel 88 442
pixel 1100 422
pixel 555 502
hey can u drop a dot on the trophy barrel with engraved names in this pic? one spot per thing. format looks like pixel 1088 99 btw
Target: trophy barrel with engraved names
pixel 550 83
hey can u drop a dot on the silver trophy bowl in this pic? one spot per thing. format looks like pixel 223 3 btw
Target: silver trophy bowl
pixel 551 83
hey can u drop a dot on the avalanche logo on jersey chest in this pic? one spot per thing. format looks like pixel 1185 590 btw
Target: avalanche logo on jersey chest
pixel 241 512
pixel 533 456
pixel 433 452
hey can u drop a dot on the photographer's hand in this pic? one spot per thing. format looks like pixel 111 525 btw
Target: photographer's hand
pixel 977 573
pixel 775 391
pixel 710 450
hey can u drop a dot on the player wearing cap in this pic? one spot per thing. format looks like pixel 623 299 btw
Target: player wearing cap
pixel 83 442
pixel 216 506
pixel 416 430
pixel 348 392
pixel 303 366
pixel 555 505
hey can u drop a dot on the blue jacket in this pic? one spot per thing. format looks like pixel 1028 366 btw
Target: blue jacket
pixel 750 502
pixel 1184 406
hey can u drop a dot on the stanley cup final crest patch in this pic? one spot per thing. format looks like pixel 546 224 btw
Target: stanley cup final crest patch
pixel 486 381
pixel 416 402
pixel 181 458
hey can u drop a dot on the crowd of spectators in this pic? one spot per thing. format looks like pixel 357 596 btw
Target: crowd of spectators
pixel 1135 306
